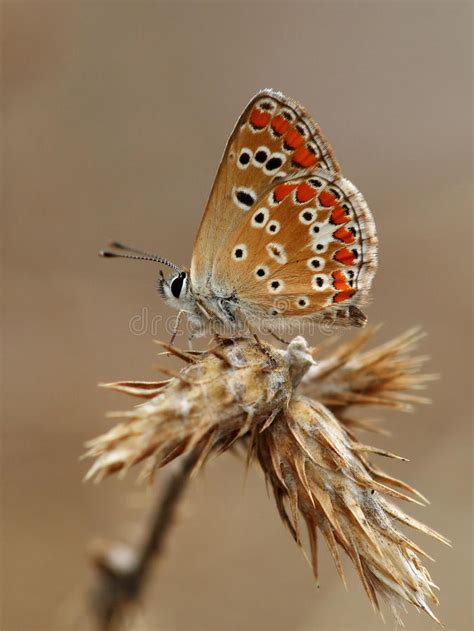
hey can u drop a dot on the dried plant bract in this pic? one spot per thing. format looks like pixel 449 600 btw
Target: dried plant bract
pixel 293 411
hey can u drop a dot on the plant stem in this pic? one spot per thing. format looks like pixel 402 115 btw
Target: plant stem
pixel 119 587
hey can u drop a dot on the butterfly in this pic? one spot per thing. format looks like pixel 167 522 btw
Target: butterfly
pixel 284 238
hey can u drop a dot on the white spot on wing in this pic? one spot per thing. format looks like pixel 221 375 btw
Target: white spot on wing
pixel 320 282
pixel 277 252
pixel 307 215
pixel 288 114
pixel 270 170
pixel 302 129
pixel 273 227
pixel 320 245
pixel 257 214
pixel 267 105
pixel 275 286
pixel 302 302
pixel 245 151
pixel 312 146
pixel 261 268
pixel 240 252
pixel 261 149
pixel 243 197
pixel 316 263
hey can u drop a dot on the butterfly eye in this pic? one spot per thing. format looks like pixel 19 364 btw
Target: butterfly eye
pixel 240 252
pixel 177 284
pixel 244 158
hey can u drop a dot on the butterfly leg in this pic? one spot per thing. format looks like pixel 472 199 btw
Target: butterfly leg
pixel 264 349
pixel 190 340
pixel 176 327
pixel 277 337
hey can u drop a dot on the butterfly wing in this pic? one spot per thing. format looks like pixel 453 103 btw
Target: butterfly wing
pixel 284 233
pixel 273 139
pixel 307 249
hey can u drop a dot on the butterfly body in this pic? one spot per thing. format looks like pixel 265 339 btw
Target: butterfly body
pixel 285 238
pixel 213 307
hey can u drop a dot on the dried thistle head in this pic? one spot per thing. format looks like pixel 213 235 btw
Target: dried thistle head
pixel 213 402
pixel 293 413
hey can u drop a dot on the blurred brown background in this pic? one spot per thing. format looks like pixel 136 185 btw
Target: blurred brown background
pixel 115 117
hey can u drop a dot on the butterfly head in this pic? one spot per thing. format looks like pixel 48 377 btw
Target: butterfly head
pixel 176 290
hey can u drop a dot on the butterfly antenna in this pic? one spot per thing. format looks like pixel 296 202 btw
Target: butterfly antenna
pixel 137 255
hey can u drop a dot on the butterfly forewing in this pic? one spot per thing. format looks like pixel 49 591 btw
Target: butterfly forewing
pixel 273 139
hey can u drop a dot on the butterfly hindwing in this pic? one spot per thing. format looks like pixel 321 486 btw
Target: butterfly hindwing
pixel 306 249
pixel 273 139
pixel 284 234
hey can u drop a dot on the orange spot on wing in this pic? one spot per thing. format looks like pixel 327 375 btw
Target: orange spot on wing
pixel 305 192
pixel 280 125
pixel 345 256
pixel 293 138
pixel 304 158
pixel 344 235
pixel 338 216
pixel 327 199
pixel 340 281
pixel 343 295
pixel 259 119
pixel 282 191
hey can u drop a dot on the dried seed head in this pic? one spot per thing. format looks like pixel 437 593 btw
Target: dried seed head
pixel 383 376
pixel 316 470
pixel 252 394
pixel 209 405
